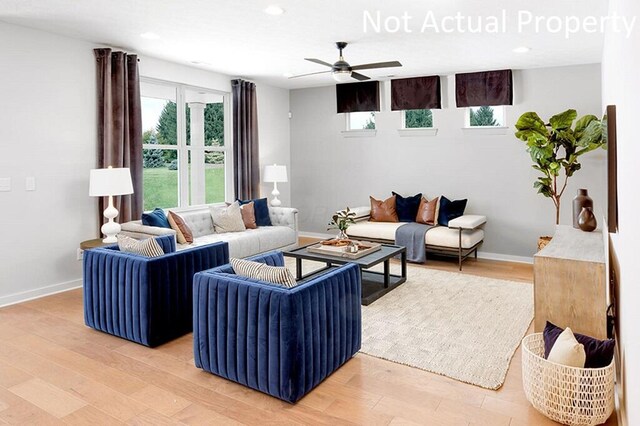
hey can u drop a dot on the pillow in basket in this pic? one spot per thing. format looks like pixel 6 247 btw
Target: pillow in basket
pixel 599 352
pixel 567 351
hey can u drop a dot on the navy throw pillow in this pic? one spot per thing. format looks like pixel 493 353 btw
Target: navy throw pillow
pixel 599 352
pixel 407 207
pixel 261 209
pixel 450 210
pixel 156 218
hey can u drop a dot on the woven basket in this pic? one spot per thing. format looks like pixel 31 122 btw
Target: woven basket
pixel 569 395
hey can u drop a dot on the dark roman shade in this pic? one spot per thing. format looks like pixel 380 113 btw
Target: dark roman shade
pixel 484 88
pixel 358 97
pixel 416 93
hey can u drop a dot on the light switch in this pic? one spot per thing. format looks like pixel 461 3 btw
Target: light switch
pixel 30 183
pixel 5 184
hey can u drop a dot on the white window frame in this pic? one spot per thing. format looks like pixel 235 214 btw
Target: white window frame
pixel 468 129
pixel 415 131
pixel 358 133
pixel 184 149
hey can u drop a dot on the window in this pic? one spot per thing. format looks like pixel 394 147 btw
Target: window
pixel 417 119
pixel 485 116
pixel 185 158
pixel 361 121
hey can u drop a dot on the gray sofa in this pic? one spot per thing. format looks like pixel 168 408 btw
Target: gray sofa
pixel 283 235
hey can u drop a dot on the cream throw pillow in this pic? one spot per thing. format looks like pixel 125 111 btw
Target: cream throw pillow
pixel 567 351
pixel 227 219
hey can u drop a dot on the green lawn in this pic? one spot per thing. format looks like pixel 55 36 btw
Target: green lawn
pixel 161 187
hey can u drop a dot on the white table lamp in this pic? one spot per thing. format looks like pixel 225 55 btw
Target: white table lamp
pixel 108 183
pixel 275 174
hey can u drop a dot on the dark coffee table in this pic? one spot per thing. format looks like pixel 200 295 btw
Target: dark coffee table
pixel 374 284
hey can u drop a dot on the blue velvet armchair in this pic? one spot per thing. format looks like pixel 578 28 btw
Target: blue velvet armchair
pixel 145 300
pixel 277 340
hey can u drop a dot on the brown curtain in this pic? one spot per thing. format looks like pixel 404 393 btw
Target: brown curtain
pixel 246 180
pixel 416 93
pixel 358 97
pixel 120 126
pixel 484 88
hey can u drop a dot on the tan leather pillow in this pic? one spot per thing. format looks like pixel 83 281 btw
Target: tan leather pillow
pixel 183 233
pixel 248 215
pixel 383 211
pixel 427 211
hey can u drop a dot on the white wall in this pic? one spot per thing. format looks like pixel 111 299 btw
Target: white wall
pixel 48 130
pixel 493 172
pixel 620 87
pixel 273 129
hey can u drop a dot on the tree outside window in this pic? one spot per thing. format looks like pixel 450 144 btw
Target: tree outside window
pixel 486 116
pixel 418 118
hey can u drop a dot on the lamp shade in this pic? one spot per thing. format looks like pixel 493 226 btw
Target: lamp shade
pixel 275 173
pixel 103 182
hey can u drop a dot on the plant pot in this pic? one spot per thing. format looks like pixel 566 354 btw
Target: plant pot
pixel 543 241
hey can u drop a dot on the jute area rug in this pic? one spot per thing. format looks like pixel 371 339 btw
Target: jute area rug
pixel 460 326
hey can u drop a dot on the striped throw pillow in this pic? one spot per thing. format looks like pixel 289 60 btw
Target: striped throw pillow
pixel 148 247
pixel 270 274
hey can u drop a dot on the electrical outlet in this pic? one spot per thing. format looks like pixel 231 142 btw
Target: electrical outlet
pixel 79 254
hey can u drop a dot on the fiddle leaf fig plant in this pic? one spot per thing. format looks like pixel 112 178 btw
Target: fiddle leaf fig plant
pixel 556 146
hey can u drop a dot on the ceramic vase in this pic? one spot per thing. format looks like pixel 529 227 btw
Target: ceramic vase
pixel 587 220
pixel 581 200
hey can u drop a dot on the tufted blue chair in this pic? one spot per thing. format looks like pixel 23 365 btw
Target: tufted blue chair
pixel 145 300
pixel 280 341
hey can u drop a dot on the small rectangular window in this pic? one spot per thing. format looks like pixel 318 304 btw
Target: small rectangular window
pixel 417 119
pixel 485 116
pixel 361 120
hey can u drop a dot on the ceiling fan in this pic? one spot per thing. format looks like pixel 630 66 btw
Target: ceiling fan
pixel 342 72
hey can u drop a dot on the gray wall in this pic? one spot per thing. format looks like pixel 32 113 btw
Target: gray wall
pixel 494 172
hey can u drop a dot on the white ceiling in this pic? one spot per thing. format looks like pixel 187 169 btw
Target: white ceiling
pixel 236 37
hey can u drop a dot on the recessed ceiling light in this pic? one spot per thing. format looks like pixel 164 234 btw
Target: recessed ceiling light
pixel 274 10
pixel 522 49
pixel 150 36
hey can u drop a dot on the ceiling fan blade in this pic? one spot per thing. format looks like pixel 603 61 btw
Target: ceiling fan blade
pixel 359 76
pixel 311 73
pixel 377 65
pixel 318 61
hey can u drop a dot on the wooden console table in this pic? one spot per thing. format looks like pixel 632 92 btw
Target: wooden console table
pixel 570 283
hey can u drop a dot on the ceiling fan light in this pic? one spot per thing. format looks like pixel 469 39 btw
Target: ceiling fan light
pixel 342 76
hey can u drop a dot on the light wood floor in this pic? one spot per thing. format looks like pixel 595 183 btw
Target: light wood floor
pixel 55 370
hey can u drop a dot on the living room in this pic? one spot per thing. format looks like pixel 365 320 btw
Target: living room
pixel 221 93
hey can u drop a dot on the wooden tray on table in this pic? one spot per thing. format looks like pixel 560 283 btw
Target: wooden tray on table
pixel 341 249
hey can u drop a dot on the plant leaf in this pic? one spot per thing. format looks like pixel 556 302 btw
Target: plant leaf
pixel 530 126
pixel 564 120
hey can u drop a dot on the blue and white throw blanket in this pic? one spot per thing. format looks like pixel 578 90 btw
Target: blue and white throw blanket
pixel 411 235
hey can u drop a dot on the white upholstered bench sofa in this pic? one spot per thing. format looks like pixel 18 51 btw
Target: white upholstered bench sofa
pixel 283 235
pixel 461 238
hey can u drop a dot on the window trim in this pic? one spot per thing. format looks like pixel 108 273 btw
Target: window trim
pixel 183 149
pixel 467 119
pixel 347 125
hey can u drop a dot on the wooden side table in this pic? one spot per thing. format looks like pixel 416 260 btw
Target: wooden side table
pixel 89 244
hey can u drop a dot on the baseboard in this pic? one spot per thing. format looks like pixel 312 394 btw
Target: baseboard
pixel 481 254
pixel 37 293
pixel 505 257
